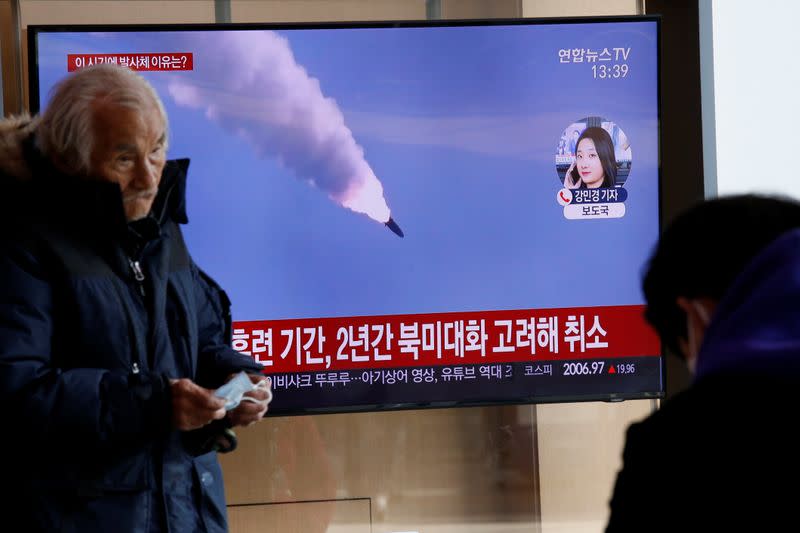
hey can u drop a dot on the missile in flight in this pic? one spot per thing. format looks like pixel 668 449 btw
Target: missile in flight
pixel 392 225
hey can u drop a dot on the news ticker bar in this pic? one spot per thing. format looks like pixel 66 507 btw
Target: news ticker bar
pixel 442 339
pixel 467 384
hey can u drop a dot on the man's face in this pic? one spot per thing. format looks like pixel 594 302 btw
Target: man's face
pixel 129 151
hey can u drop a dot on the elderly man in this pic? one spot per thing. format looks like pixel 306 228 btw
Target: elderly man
pixel 112 340
pixel 723 292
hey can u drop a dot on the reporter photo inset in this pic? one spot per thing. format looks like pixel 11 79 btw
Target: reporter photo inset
pixel 593 153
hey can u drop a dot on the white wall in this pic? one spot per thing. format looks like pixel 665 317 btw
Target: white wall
pixel 752 135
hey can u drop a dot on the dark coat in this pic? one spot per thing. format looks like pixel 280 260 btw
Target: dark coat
pixel 87 351
pixel 723 454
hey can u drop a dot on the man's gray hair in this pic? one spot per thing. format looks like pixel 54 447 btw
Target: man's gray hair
pixel 66 133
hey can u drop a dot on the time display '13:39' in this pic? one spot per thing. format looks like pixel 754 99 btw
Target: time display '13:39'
pixel 604 72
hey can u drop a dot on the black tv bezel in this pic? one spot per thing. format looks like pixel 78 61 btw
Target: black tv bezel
pixel 34 106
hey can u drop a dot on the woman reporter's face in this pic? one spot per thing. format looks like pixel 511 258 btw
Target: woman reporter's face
pixel 588 163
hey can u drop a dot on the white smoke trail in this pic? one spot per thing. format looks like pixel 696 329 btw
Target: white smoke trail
pixel 259 92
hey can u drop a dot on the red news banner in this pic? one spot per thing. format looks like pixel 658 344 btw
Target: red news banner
pixel 157 61
pixel 483 337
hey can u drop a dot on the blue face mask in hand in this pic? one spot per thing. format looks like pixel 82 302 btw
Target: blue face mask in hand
pixel 233 391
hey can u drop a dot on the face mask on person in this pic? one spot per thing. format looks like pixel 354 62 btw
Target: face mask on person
pixel 698 313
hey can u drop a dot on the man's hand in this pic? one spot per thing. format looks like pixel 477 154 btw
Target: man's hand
pixel 193 406
pixel 254 403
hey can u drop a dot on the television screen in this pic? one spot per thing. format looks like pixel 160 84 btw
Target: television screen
pixel 414 214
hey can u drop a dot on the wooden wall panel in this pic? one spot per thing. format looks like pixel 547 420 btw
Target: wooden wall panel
pixel 345 516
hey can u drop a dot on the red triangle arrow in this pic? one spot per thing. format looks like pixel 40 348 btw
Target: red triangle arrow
pixel 611 370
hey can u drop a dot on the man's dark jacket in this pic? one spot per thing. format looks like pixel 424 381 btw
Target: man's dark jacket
pixel 724 455
pixel 87 351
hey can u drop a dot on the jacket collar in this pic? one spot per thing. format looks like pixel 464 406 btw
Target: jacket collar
pixel 96 205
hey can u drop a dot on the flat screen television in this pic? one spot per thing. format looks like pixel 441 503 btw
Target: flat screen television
pixel 414 214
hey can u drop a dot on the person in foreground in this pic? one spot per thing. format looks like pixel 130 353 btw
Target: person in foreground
pixel 112 340
pixel 722 290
